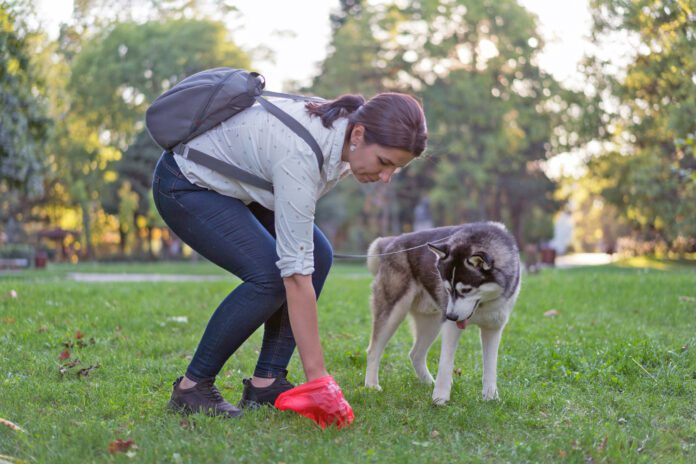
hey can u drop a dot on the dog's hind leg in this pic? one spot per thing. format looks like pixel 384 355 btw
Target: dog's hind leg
pixel 490 340
pixel 443 383
pixel 425 330
pixel 384 324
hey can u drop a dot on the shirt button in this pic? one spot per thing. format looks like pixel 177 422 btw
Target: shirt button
pixel 301 248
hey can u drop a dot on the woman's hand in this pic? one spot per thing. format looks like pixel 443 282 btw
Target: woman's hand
pixel 320 400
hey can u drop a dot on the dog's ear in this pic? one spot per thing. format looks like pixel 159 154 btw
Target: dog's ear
pixel 480 260
pixel 441 251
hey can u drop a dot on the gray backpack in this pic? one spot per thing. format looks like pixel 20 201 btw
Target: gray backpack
pixel 202 101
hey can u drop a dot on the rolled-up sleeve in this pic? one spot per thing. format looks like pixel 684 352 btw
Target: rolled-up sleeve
pixel 295 199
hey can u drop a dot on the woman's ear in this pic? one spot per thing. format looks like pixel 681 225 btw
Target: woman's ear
pixel 357 134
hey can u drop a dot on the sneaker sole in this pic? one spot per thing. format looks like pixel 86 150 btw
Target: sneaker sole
pixel 185 411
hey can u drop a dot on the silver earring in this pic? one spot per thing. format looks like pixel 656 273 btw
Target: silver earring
pixel 352 147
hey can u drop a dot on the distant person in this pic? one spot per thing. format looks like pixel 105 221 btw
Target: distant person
pixel 269 240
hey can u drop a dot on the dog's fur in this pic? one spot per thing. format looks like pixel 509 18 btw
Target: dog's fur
pixel 467 274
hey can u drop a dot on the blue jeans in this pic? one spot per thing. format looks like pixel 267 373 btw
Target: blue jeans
pixel 241 239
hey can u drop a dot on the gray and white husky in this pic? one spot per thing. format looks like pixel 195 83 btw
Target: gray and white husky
pixel 466 274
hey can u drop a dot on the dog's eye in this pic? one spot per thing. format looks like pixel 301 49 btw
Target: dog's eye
pixel 462 289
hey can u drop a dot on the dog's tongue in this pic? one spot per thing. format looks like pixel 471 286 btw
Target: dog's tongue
pixel 462 324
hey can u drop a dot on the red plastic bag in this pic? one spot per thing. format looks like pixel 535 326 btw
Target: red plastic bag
pixel 320 400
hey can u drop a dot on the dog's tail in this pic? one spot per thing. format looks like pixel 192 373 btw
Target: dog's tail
pixel 376 247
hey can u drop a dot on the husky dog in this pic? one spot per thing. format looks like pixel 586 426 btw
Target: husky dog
pixel 466 274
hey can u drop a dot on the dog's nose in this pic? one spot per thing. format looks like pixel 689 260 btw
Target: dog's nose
pixel 452 317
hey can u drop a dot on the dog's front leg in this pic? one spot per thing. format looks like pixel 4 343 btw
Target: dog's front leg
pixel 443 383
pixel 490 340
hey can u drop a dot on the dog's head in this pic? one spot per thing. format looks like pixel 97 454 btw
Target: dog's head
pixel 468 275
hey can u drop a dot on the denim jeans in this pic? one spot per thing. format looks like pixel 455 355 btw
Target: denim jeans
pixel 241 239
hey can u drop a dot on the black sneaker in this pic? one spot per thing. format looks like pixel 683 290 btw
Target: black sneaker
pixel 203 397
pixel 254 397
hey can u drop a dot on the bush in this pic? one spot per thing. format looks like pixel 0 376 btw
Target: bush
pixel 17 251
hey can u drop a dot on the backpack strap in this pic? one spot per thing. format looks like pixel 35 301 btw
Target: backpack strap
pixel 269 93
pixel 292 123
pixel 221 167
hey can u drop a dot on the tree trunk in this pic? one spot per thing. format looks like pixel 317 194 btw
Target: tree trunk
pixel 87 226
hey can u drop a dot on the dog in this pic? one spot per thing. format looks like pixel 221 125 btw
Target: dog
pixel 446 278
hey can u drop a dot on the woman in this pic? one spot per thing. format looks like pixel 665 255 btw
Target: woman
pixel 269 240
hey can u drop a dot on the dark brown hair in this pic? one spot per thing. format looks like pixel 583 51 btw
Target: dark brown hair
pixel 393 120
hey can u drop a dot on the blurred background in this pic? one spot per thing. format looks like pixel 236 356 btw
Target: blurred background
pixel 572 122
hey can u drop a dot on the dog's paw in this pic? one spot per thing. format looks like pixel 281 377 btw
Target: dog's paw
pixel 427 379
pixel 374 387
pixel 440 397
pixel 490 393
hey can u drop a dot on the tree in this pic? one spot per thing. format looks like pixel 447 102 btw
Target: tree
pixel 23 122
pixel 649 167
pixel 113 78
pixel 491 110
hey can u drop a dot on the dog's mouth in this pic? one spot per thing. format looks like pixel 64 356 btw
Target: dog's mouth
pixel 463 323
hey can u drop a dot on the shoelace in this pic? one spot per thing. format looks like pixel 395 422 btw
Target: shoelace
pixel 211 392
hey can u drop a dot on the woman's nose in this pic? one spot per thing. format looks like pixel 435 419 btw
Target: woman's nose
pixel 386 175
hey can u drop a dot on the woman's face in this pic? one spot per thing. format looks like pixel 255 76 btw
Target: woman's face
pixel 372 163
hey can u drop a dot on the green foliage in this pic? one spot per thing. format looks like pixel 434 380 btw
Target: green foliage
pixel 487 104
pixel 652 171
pixel 120 72
pixel 610 379
pixel 113 76
pixel 23 122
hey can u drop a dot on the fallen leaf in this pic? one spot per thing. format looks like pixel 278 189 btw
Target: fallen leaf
pixel 86 371
pixel 65 354
pixel 458 372
pixel 689 299
pixel 119 446
pixel 551 313
pixel 434 434
pixel 42 329
pixel 8 320
pixel 68 344
pixel 11 425
pixel 13 293
pixel 67 366
pixel 562 453
pixel 79 334
pixel 72 363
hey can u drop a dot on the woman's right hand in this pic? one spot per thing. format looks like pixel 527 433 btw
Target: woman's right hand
pixel 321 400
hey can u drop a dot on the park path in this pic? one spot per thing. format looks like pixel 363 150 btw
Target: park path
pixel 123 277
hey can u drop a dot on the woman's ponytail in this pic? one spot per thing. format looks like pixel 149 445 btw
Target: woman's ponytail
pixel 334 109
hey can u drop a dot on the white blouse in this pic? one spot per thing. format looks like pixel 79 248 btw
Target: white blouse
pixel 258 142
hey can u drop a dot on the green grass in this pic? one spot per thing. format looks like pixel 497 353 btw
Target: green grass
pixel 611 379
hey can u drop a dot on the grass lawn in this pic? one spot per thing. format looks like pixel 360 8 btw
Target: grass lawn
pixel 611 378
